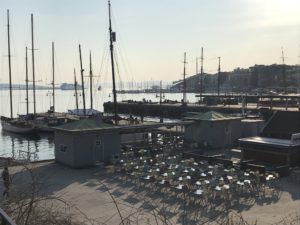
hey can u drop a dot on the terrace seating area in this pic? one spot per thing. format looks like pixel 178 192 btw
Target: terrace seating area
pixel 197 181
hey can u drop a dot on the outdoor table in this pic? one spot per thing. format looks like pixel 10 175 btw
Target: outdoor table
pixel 240 183
pixel 198 192
pixel 270 177
pixel 203 175
pixel 198 183
pixel 162 182
pixel 206 181
pixel 226 186
pixel 217 188
pixel 247 181
pixel 147 177
pixel 179 187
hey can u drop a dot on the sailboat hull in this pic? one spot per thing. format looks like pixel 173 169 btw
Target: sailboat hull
pixel 16 128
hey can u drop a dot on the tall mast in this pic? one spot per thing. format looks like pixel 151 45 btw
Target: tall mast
pixel 9 66
pixel 33 72
pixel 196 72
pixel 201 74
pixel 82 80
pixel 184 81
pixel 283 70
pixel 91 81
pixel 75 86
pixel 219 73
pixel 161 120
pixel 53 72
pixel 112 38
pixel 26 80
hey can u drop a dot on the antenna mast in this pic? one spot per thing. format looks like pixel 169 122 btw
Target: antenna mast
pixel 82 81
pixel 9 66
pixel 184 81
pixel 112 38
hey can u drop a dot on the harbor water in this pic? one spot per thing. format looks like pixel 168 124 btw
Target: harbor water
pixel 41 146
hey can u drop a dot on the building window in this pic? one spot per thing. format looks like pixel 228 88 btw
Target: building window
pixel 63 148
pixel 98 141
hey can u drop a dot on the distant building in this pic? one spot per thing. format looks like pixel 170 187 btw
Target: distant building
pixel 213 130
pixel 279 142
pixel 85 142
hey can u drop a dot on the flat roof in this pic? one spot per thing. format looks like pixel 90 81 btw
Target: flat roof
pixel 269 141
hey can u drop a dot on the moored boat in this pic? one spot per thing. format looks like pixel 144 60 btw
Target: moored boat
pixel 11 124
pixel 17 126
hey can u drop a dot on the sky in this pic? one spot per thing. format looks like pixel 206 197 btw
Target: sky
pixel 152 36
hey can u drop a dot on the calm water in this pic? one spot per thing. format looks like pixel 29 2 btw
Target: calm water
pixel 41 146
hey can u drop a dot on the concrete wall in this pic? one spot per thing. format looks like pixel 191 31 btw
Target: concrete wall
pixel 251 128
pixel 85 149
pixel 64 146
pixel 219 134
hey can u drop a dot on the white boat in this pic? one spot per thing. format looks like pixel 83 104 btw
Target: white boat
pixel 17 126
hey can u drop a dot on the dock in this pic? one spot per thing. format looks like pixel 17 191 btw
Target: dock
pixel 175 110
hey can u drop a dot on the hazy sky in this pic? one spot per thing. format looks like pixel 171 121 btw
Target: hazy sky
pixel 152 36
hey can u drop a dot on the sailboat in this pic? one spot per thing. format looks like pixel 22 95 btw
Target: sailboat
pixel 16 125
pixel 45 122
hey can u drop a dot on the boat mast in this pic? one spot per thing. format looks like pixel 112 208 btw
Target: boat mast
pixel 75 86
pixel 283 70
pixel 112 38
pixel 9 66
pixel 53 71
pixel 219 73
pixel 82 80
pixel 184 81
pixel 33 71
pixel 201 75
pixel 26 80
pixel 91 81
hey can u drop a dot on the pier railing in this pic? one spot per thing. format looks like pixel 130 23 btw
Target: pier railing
pixel 5 219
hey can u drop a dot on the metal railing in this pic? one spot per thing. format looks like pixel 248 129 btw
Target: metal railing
pixel 5 219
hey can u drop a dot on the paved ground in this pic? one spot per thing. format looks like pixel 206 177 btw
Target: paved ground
pixel 86 190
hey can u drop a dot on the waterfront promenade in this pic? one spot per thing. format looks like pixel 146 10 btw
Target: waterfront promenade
pixel 91 193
